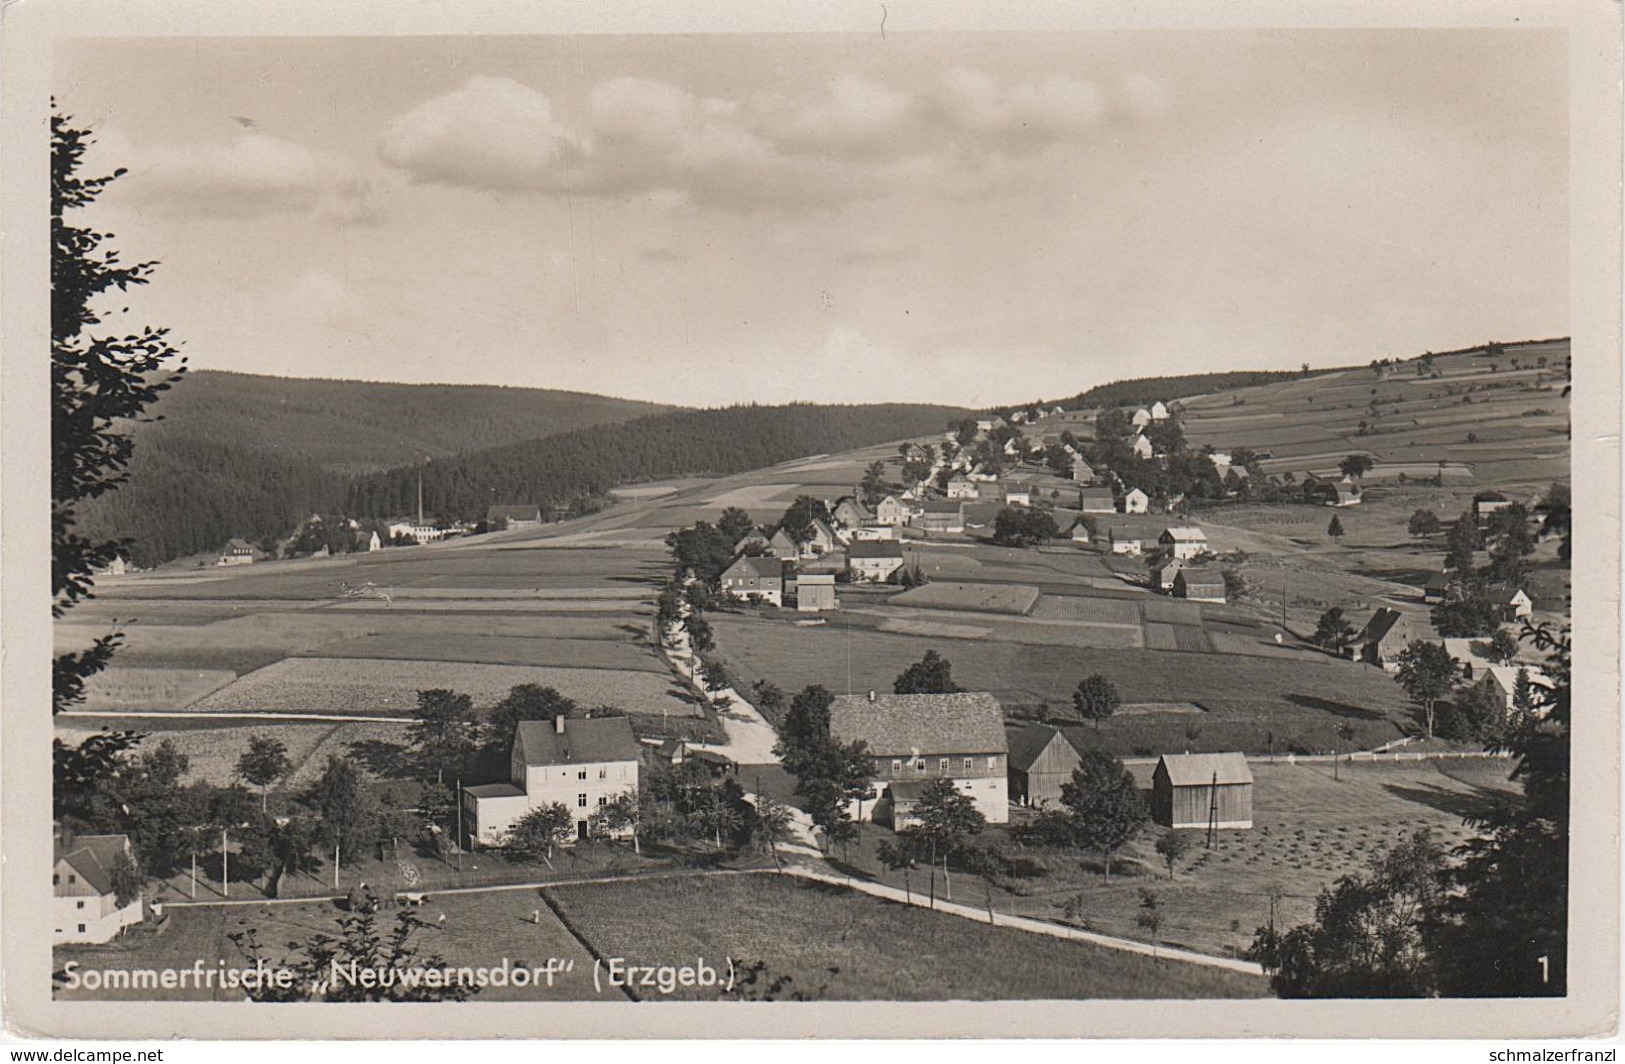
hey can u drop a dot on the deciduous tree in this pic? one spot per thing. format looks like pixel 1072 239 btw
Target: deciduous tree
pixel 1095 699
pixel 1105 804
pixel 263 763
pixel 931 675
pixel 1426 672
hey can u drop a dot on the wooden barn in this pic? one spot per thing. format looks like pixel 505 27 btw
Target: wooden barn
pixel 1041 760
pixel 1184 787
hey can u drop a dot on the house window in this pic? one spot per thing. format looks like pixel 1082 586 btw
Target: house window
pixel 581 800
pixel 55 879
pixel 581 775
pixel 896 768
pixel 968 763
pixel 603 773
pixel 81 929
pixel 942 765
pixel 603 800
pixel 72 878
pixel 919 766
pixel 993 762
pixel 78 905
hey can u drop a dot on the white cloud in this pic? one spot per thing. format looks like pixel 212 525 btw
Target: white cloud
pixel 1027 113
pixel 491 133
pixel 251 175
pixel 855 116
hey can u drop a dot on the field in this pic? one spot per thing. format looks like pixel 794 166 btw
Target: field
pixel 369 686
pixel 860 948
pixel 124 687
pixel 1311 826
pixel 482 649
pixel 984 598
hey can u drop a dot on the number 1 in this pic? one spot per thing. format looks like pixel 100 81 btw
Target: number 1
pixel 1545 968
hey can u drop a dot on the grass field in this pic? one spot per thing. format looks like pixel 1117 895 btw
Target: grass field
pixel 381 687
pixel 129 687
pixel 860 948
pixel 477 648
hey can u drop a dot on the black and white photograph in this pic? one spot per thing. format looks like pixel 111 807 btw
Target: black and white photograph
pixel 876 512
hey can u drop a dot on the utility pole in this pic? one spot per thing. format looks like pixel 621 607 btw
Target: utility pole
pixel 459 799
pixel 194 874
pixel 1213 813
pixel 225 865
pixel 335 867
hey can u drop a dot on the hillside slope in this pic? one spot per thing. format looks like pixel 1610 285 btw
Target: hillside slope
pixel 238 454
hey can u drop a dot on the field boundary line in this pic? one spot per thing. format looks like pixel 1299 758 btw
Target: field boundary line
pixel 205 714
pixel 1027 923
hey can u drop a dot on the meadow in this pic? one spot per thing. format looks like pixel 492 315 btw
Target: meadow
pixel 845 946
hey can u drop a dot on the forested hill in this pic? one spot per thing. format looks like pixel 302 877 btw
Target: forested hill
pixel 561 471
pixel 363 426
pixel 238 454
pixel 1145 390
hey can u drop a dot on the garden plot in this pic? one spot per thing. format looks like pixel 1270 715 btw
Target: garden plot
pixel 1171 611
pixel 370 686
pixel 1113 611
pixel 1014 599
pixel 907 626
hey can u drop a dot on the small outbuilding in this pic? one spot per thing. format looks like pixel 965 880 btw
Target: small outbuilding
pixel 815 592
pixel 1202 790
pixel 1042 759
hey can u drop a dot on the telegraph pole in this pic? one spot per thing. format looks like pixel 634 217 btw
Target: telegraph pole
pixel 225 865
pixel 459 799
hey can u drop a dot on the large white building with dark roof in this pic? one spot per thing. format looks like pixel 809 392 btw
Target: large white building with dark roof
pixel 581 764
pixel 85 903
pixel 916 739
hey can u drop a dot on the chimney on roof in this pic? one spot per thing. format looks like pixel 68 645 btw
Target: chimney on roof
pixel 871 696
pixel 558 724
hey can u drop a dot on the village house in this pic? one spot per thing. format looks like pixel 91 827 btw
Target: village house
pixel 1513 602
pixel 871 533
pixel 1015 495
pixel 1437 587
pixel 1199 585
pixel 962 487
pixel 913 740
pixel 1140 418
pixel 1504 681
pixel 117 567
pixel 754 542
pixel 1136 501
pixel 1042 760
pixel 820 539
pixel 1079 532
pixel 1198 791
pixel 1183 541
pixel 985 425
pixel 939 515
pixel 1142 447
pixel 850 513
pixel 83 899
pixel 782 547
pixel 239 552
pixel 892 511
pixel 674 753
pixel 1344 492
pixel 1159 411
pixel 1163 573
pixel 1082 472
pixel 1124 540
pixel 418 532
pixel 513 516
pixel 1488 503
pixel 815 592
pixel 1385 637
pixel 580 763
pixel 754 577
pixel 874 559
pixel 1096 501
pixel 1221 462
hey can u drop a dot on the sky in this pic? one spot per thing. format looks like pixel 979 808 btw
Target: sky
pixel 969 218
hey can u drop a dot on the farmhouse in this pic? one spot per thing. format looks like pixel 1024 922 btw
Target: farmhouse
pixel 753 576
pixel 1183 541
pixel 1384 637
pixel 1343 493
pixel 820 538
pixel 915 739
pixel 1136 501
pixel 985 425
pixel 874 559
pixel 754 542
pixel 1437 587
pixel 1199 585
pixel 1096 501
pixel 581 764
pixel 1140 418
pixel 1142 447
pixel 239 552
pixel 84 902
pixel 962 487
pixel 815 592
pixel 1017 496
pixel 1163 573
pixel 1079 532
pixel 1159 411
pixel 1202 790
pixel 1042 758
pixel 870 533
pixel 937 515
pixel 1504 679
pixel 892 511
pixel 513 516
